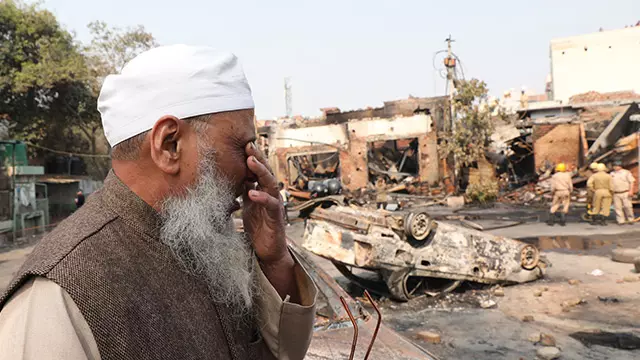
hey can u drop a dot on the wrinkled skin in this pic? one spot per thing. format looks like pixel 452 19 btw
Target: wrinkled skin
pixel 168 162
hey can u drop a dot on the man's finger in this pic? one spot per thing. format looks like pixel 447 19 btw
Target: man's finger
pixel 252 150
pixel 262 198
pixel 266 180
pixel 247 186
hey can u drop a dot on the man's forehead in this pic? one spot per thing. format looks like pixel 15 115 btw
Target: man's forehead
pixel 236 119
pixel 240 123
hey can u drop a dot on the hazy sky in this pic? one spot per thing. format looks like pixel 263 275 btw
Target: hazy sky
pixel 354 54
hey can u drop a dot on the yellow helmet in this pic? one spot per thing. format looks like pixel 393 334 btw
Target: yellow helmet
pixel 594 166
pixel 561 167
pixel 602 167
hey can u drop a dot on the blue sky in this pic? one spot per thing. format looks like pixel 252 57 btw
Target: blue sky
pixel 354 54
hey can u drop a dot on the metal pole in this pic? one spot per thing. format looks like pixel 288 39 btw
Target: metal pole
pixel 450 76
pixel 13 187
pixel 451 73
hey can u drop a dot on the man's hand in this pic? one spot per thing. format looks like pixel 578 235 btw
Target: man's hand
pixel 263 219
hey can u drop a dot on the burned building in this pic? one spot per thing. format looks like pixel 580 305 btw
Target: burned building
pixel 397 141
pixel 575 133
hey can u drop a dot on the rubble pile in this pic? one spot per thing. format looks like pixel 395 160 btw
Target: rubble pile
pixel 540 193
pixel 534 194
pixel 528 195
pixel 594 96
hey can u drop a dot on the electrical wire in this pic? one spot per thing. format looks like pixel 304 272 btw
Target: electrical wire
pixel 439 69
pixel 66 152
pixel 459 62
pixel 433 61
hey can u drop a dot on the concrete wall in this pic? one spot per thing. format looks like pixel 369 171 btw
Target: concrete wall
pixel 556 144
pixel 428 158
pixel 390 129
pixel 307 136
pixel 351 140
pixel 604 62
pixel 436 106
pixel 361 132
pixel 353 165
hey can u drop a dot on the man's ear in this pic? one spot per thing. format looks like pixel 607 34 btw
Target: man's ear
pixel 165 141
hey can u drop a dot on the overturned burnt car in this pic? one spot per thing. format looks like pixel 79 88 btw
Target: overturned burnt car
pixel 414 254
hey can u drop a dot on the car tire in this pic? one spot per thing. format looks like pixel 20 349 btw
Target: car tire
pixel 625 255
pixel 397 283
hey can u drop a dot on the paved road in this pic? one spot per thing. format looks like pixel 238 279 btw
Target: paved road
pixel 10 262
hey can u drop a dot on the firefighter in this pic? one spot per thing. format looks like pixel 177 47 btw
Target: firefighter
pixel 594 168
pixel 622 193
pixel 561 186
pixel 601 185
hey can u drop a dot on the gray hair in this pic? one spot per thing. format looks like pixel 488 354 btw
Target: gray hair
pixel 130 148
pixel 201 234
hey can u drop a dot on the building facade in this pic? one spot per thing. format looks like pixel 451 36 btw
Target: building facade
pixel 606 61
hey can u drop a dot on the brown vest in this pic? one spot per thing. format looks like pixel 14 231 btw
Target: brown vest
pixel 132 292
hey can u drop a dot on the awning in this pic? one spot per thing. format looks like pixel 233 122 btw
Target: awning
pixel 58 180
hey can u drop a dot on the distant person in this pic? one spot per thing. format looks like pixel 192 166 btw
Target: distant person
pixel 524 100
pixel 285 195
pixel 594 168
pixel 381 194
pixel 561 187
pixel 622 193
pixel 600 184
pixel 79 199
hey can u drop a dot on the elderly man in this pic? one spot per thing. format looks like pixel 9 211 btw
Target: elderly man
pixel 151 267
pixel 600 184
pixel 622 193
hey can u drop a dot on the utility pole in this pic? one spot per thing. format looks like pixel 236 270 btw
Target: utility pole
pixel 450 64
pixel 288 97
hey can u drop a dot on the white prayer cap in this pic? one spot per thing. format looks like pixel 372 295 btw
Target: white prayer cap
pixel 177 80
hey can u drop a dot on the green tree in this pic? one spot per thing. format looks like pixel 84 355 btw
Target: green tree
pixel 49 83
pixel 39 64
pixel 107 53
pixel 473 124
pixel 111 47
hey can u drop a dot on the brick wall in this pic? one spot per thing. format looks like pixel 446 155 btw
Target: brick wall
pixel 556 144
pixel 428 159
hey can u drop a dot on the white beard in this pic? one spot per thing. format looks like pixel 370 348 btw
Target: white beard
pixel 201 234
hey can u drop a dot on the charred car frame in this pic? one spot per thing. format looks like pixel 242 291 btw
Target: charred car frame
pixel 415 254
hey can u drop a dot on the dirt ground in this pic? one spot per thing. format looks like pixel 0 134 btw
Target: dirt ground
pixel 604 303
pixel 468 331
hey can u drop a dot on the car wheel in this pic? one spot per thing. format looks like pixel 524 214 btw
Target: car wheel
pixel 625 255
pixel 404 287
pixel 418 226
